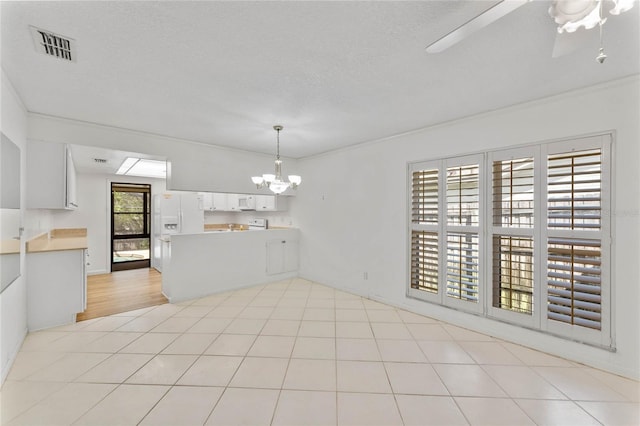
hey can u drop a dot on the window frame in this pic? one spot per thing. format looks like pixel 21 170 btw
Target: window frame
pixel 539 233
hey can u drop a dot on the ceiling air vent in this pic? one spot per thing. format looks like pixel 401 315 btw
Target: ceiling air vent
pixel 55 45
pixel 100 160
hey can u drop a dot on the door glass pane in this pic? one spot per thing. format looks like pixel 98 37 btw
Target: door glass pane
pixel 128 224
pixel 128 202
pixel 130 249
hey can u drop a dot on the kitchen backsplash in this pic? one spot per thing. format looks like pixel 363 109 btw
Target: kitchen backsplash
pixel 274 218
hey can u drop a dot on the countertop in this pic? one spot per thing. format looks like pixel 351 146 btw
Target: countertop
pixel 58 240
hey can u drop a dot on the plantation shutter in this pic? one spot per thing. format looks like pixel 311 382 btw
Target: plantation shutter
pixel 574 246
pixel 424 230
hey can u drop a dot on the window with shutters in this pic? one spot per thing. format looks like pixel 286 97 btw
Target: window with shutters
pixel 545 261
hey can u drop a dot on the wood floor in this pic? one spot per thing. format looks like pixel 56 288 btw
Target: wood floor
pixel 122 291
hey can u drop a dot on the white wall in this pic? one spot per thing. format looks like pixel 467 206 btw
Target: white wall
pixel 13 301
pixel 194 166
pixel 94 213
pixel 352 210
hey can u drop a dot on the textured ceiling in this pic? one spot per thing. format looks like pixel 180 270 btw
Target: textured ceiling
pixel 333 73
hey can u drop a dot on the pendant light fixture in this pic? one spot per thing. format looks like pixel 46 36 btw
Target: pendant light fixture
pixel 274 181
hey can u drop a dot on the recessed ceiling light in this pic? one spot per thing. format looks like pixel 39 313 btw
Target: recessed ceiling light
pixel 144 168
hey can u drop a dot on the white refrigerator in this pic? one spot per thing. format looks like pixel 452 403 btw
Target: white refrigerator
pixel 175 213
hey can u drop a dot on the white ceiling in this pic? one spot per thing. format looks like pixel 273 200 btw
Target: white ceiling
pixel 333 73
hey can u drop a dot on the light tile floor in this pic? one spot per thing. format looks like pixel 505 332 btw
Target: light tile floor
pixel 296 353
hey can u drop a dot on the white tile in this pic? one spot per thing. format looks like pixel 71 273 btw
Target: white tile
pixel 297 408
pixel 256 312
pixel 357 350
pixel 263 302
pixel 229 312
pixel 163 370
pixel 463 334
pixel 356 330
pixel 27 363
pixel 319 314
pixel 311 374
pixel 294 313
pixel 64 406
pixel 134 313
pixel 75 342
pixel 111 342
pixel 184 405
pixel 210 325
pixel 628 388
pixel 413 378
pixel 142 324
pixel 245 326
pixel 150 343
pixel 367 409
pixel 400 350
pixel 522 382
pixel 265 373
pixel 272 346
pixel 314 348
pixel 232 407
pixel 380 315
pixel 419 410
pixel 175 325
pixel 317 329
pixel 613 413
pixel 126 405
pixel 231 344
pixel 383 330
pixel 107 323
pixel 17 397
pixel 350 304
pixel 411 318
pixel 277 327
pixel 559 413
pixel 167 310
pixel 68 368
pixel 578 385
pixel 287 302
pixel 467 380
pixel 362 376
pixel 42 340
pixel 190 344
pixel 535 358
pixel 356 315
pixel 115 369
pixel 194 311
pixel 493 411
pixel 443 352
pixel 373 305
pixel 489 353
pixel 429 332
pixel 210 301
pixel 320 303
pixel 211 370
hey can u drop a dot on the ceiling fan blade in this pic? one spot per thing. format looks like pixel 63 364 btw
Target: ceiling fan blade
pixel 567 43
pixel 465 30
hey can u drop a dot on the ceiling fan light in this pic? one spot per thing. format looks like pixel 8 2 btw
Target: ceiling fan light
pixel 621 6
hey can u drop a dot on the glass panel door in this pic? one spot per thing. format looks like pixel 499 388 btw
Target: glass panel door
pixel 130 226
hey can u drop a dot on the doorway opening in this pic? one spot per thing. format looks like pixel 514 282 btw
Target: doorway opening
pixel 130 226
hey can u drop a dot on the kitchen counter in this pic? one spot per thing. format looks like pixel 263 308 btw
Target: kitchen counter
pixel 58 240
pixel 197 265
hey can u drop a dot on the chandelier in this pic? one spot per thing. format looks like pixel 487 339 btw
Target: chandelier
pixel 274 181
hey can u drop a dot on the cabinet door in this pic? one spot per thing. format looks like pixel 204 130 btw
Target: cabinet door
pixel 233 202
pixel 290 261
pixel 275 256
pixel 207 201
pixel 265 203
pixel 219 202
pixel 70 190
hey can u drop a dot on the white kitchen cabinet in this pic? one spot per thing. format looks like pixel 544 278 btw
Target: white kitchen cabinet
pixel 214 201
pixel 233 202
pixel 51 176
pixel 56 287
pixel 271 203
pixel 282 256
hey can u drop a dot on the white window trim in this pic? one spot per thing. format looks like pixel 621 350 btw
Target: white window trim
pixel 538 320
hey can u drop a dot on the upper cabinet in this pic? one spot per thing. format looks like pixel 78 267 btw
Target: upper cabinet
pixel 51 176
pixel 214 202
pixel 271 203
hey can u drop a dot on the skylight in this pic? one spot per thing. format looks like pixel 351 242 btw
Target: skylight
pixel 144 168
